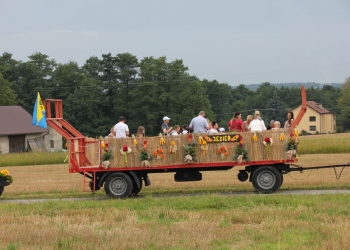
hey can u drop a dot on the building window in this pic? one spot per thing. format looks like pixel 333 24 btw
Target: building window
pixel 312 128
pixel 52 144
pixel 312 118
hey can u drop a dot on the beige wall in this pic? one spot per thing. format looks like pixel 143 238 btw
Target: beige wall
pixel 4 144
pixel 55 137
pixel 328 123
pixel 324 123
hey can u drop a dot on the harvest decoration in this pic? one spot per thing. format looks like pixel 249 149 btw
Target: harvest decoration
pixel 268 143
pixel 125 150
pixel 255 137
pixel 145 157
pixel 107 154
pixel 241 152
pixel 173 147
pixel 135 142
pixel 190 152
pixel 189 138
pixel 222 151
pixel 203 143
pixel 282 137
pixel 162 140
pixel 159 154
pixel 292 146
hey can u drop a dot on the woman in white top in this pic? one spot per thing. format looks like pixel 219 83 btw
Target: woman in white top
pixel 290 120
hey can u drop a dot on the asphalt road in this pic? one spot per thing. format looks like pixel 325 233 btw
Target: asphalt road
pixel 292 192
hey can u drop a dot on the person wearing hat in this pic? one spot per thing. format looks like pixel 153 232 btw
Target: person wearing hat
pixel 165 129
pixel 257 124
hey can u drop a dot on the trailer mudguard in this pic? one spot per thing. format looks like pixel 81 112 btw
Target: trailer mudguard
pixel 103 178
pixel 136 178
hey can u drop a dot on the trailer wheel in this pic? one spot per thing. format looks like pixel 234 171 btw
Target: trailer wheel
pixel 281 179
pixel 118 185
pixel 266 179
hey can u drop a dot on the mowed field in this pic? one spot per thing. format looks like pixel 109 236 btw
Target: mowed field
pixel 202 218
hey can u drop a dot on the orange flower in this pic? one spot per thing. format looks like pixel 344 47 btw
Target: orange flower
pixel 219 151
pixel 162 156
pixel 225 154
pixel 155 153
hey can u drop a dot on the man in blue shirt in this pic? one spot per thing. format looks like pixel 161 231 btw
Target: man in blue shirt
pixel 199 124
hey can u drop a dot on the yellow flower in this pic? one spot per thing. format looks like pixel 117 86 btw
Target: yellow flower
pixel 5 172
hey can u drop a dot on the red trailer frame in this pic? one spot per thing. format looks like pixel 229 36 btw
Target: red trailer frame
pixel 266 176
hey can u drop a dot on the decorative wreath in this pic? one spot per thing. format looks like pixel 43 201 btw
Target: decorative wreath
pixel 159 154
pixel 222 151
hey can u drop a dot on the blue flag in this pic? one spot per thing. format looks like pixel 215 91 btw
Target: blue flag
pixel 39 113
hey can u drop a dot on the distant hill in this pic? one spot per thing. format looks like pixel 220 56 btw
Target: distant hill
pixel 295 84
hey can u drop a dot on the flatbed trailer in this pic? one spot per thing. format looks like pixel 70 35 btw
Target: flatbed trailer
pixel 126 174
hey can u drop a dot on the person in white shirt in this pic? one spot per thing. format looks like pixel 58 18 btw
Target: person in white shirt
pixel 257 125
pixel 121 130
pixel 176 130
pixel 184 129
pixel 214 129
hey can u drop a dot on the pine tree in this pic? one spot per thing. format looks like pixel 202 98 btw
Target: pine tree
pixel 275 109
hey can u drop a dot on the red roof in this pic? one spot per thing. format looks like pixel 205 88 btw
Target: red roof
pixel 15 120
pixel 317 107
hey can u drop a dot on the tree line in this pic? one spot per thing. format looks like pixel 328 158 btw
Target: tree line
pixel 96 94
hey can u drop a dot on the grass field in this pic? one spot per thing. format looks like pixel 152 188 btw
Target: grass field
pixel 207 222
pixel 32 158
pixel 325 144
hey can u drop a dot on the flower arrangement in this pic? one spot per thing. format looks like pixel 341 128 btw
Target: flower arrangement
pixel 292 146
pixel 145 157
pixel 268 143
pixel 190 152
pixel 107 154
pixel 5 175
pixel 124 151
pixel 241 152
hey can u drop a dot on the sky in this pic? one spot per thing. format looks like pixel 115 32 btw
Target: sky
pixel 234 42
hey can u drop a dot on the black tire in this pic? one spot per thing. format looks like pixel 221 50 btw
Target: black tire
pixel 266 179
pixel 118 185
pixel 136 190
pixel 281 179
pixel 242 176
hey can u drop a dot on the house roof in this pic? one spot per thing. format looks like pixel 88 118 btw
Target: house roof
pixel 317 107
pixel 15 120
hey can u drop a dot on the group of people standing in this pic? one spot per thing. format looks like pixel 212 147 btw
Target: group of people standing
pixel 200 124
pixel 256 123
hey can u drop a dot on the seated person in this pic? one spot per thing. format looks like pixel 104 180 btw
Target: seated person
pixel 214 128
pixel 111 133
pixel 176 130
pixel 140 131
pixel 184 129
pixel 277 126
pixel 221 130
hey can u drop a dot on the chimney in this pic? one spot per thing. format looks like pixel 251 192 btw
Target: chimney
pixel 319 105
